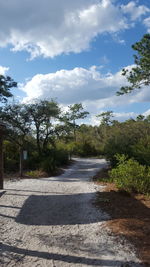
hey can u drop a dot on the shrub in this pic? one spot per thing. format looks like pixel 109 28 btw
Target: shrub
pixel 54 158
pixel 141 151
pixel 85 149
pixel 49 165
pixel 130 176
pixel 11 159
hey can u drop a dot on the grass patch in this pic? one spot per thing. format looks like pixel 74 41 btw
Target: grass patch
pixel 36 174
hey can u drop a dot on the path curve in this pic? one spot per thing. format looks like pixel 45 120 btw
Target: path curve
pixel 53 222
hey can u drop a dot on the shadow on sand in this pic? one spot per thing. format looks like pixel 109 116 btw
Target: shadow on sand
pixel 64 258
pixel 59 210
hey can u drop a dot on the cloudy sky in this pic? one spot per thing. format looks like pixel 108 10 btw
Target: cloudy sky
pixel 73 51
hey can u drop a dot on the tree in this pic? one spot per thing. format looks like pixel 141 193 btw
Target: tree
pixel 6 83
pixel 75 112
pixel 140 117
pixel 106 117
pixel 42 113
pixel 18 126
pixel 140 74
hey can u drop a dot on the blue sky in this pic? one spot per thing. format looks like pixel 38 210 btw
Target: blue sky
pixel 74 51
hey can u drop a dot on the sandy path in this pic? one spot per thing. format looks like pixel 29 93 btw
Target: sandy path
pixel 52 222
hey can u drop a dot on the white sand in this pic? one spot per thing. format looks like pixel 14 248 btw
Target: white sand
pixel 53 222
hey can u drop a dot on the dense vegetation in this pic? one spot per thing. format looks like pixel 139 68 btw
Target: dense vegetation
pixel 50 136
pixel 41 129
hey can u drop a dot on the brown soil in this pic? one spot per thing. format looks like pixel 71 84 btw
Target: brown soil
pixel 130 216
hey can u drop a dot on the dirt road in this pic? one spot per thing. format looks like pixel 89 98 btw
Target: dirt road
pixel 53 222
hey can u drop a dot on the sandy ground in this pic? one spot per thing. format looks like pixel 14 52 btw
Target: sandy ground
pixel 53 222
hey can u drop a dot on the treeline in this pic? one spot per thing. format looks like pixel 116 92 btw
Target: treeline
pixel 126 145
pixel 41 129
pixel 50 136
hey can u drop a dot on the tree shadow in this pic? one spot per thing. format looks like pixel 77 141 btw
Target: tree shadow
pixel 65 258
pixel 129 217
pixel 2 193
pixel 59 210
pixel 122 205
pixel 62 179
pixel 29 191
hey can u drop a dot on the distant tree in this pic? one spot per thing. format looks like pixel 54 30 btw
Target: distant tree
pixel 147 119
pixel 140 117
pixel 140 74
pixel 6 83
pixel 75 112
pixel 106 117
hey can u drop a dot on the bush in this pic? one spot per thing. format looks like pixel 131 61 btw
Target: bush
pixel 49 165
pixel 54 158
pixel 11 158
pixel 130 176
pixel 85 149
pixel 141 151
pixel 120 143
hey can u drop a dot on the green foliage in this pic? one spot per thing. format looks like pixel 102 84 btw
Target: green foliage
pixel 140 74
pixel 41 114
pixel 53 159
pixel 36 174
pixel 74 113
pixel 48 164
pixel 141 150
pixel 140 117
pixel 17 120
pixel 6 83
pixel 124 138
pixel 11 159
pixel 84 149
pixel 49 145
pixel 130 176
pixel 106 117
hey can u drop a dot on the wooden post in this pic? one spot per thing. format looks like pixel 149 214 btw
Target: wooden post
pixel 21 163
pixel 1 155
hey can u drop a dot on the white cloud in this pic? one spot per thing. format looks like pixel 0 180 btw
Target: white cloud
pixel 125 115
pixel 89 86
pixel 146 113
pixel 96 91
pixel 147 23
pixel 142 95
pixel 3 70
pixel 76 85
pixel 134 10
pixel 112 101
pixel 122 116
pixel 52 27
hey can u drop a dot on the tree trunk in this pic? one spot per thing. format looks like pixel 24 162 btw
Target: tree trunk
pixel 38 142
pixel 74 130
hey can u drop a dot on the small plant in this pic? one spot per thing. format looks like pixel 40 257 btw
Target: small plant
pixel 130 176
pixel 36 174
